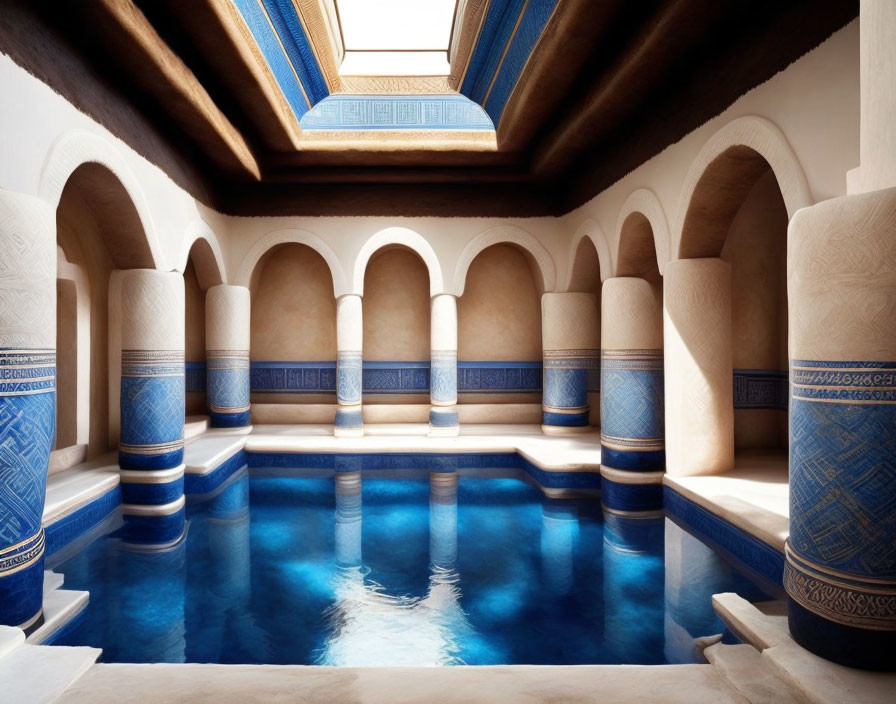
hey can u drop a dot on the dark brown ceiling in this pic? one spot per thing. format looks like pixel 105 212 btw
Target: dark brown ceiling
pixel 611 84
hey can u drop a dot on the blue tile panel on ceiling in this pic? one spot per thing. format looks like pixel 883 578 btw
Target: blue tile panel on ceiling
pixel 509 33
pixel 283 43
pixel 396 112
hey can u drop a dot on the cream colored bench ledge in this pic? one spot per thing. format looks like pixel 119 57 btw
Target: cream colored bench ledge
pixel 69 490
pixel 754 496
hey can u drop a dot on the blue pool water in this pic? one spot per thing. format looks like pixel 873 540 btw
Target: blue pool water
pixel 401 568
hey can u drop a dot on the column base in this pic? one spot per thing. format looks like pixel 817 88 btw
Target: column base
pixel 154 526
pixel 348 422
pixel 152 487
pixel 229 420
pixel 845 645
pixel 565 429
pixel 633 461
pixel 443 422
pixel 633 494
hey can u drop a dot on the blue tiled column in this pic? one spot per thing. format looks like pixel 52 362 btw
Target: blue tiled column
pixel 570 324
pixel 443 368
pixel 840 569
pixel 632 421
pixel 27 399
pixel 349 338
pixel 151 448
pixel 227 310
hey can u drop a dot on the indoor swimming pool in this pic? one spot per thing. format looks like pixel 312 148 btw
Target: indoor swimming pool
pixel 401 568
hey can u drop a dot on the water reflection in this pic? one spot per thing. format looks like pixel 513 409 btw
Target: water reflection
pixel 369 626
pixel 559 535
pixel 633 571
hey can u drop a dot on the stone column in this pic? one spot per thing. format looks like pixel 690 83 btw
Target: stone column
pixel 631 404
pixel 698 367
pixel 27 399
pixel 443 369
pixel 840 569
pixel 571 342
pixel 227 311
pixel 151 449
pixel 349 341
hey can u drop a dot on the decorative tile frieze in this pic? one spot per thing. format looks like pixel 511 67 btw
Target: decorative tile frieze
pixel 760 389
pixel 499 377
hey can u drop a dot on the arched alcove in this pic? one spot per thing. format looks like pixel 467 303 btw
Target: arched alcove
pixel 293 335
pixel 738 212
pixel 637 255
pixel 194 340
pixel 585 277
pixel 499 328
pixel 98 230
pixel 396 317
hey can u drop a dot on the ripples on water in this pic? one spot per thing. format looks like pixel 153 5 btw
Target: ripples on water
pixel 413 569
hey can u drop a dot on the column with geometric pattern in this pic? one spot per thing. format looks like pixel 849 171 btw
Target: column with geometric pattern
pixel 443 367
pixel 840 568
pixel 27 399
pixel 227 310
pixel 699 395
pixel 151 447
pixel 349 337
pixel 632 419
pixel 571 349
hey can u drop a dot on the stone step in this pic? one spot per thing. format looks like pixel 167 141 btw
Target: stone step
pixel 52 580
pixel 751 675
pixel 34 674
pixel 194 426
pixel 10 639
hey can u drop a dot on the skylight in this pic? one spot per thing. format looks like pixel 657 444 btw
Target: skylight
pixel 395 37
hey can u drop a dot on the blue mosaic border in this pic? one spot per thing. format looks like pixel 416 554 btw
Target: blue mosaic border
pixel 505 42
pixel 282 41
pixel 499 377
pixel 292 377
pixel 760 557
pixel 71 527
pixel 761 388
pixel 631 497
pixel 396 112
pixel 395 378
pixel 198 484
pixel 433 462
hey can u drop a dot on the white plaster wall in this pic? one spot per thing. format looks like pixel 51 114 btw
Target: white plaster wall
pixel 814 103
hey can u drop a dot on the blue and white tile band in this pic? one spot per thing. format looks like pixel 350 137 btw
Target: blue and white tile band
pixel 348 378
pixel 841 556
pixel 227 338
pixel 228 387
pixel 443 378
pixel 565 393
pixel 632 410
pixel 152 409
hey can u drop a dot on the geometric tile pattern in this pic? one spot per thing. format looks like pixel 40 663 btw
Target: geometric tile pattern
pixel 396 112
pixel 152 409
pixel 395 377
pixel 761 388
pixel 632 400
pixel 499 377
pixel 293 377
pixel 566 374
pixel 195 377
pixel 228 381
pixel 348 377
pixel 843 488
pixel 27 428
pixel 443 378
pixel 509 32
